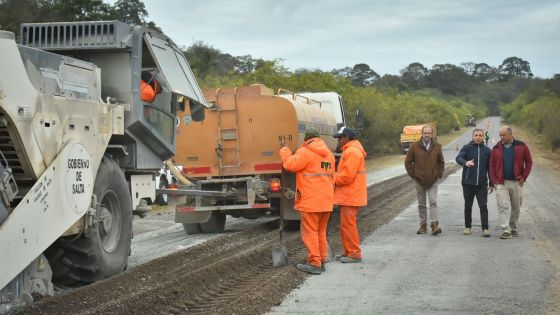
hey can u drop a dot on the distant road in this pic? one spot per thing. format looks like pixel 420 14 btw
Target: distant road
pixel 450 151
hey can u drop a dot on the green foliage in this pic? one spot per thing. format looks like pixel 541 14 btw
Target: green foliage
pixel 15 12
pixel 450 79
pixel 514 67
pixel 131 12
pixel 445 93
pixel 386 112
pixel 414 75
pixel 360 75
pixel 538 109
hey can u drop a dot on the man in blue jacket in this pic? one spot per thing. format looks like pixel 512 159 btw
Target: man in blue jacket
pixel 475 159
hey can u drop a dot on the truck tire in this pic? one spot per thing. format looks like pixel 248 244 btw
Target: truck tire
pixel 103 250
pixel 216 223
pixel 161 199
pixel 192 228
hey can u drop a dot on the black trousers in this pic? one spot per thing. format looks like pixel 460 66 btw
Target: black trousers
pixel 481 193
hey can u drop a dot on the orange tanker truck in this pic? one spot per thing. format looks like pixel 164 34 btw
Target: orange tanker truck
pixel 232 156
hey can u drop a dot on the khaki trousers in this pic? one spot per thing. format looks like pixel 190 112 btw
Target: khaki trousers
pixel 509 199
pixel 421 193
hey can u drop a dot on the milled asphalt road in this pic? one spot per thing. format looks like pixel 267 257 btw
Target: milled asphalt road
pixel 406 273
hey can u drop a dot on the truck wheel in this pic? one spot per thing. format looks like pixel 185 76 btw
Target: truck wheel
pixel 216 223
pixel 104 249
pixel 191 228
pixel 161 199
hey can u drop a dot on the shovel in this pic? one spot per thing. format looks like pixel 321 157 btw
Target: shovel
pixel 279 253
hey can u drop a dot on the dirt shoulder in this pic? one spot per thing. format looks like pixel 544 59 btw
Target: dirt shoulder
pixel 538 152
pixel 540 210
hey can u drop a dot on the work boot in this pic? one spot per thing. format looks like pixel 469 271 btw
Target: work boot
pixel 435 228
pixel 309 269
pixel 323 268
pixel 467 231
pixel 350 260
pixel 423 229
pixel 486 233
pixel 338 257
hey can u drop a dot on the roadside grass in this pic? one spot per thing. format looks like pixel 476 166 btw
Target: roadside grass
pixel 540 151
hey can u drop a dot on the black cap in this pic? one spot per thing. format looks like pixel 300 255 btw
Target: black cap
pixel 345 130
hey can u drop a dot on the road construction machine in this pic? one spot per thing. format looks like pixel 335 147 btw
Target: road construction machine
pixel 79 148
pixel 470 121
pixel 413 133
pixel 238 171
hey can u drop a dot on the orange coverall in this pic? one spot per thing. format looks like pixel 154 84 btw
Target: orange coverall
pixel 147 92
pixel 313 164
pixel 350 193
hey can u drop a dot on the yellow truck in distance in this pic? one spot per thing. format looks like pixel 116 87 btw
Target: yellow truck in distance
pixel 413 133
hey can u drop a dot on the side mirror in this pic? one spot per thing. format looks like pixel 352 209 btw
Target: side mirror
pixel 197 111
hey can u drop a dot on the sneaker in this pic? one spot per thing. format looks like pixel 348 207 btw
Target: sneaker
pixel 486 233
pixel 350 260
pixel 467 231
pixel 514 233
pixel 309 269
pixel 505 234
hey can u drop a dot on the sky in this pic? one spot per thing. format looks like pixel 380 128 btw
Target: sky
pixel 387 35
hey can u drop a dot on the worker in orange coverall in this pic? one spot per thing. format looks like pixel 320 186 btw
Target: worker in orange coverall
pixel 313 164
pixel 147 92
pixel 149 87
pixel 350 192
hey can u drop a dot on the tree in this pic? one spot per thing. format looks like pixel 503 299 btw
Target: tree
pixel 342 72
pixel 363 75
pixel 11 14
pixel 390 82
pixel 468 67
pixel 414 75
pixel 245 64
pixel 554 84
pixel 360 75
pixel 485 73
pixel 514 67
pixel 203 59
pixel 75 10
pixel 152 25
pixel 450 79
pixel 131 12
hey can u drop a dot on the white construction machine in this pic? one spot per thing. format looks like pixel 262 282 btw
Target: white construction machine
pixel 79 149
